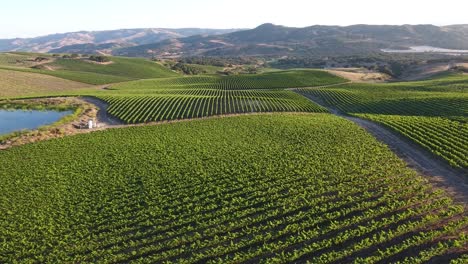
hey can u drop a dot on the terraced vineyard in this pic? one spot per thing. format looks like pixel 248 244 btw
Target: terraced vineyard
pixel 272 80
pixel 276 188
pixel 195 103
pixel 447 104
pixel 201 96
pixel 433 113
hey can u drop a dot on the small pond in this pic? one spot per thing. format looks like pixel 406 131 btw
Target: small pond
pixel 17 120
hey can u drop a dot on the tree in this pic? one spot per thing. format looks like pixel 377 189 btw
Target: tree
pixel 99 58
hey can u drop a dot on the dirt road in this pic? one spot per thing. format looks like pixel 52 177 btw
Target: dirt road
pixel 104 119
pixel 438 172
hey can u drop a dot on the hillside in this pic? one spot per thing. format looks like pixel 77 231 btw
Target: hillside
pixel 102 40
pixel 273 40
pixel 15 83
pixel 83 70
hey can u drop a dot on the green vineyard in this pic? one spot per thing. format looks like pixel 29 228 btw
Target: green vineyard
pixel 432 115
pixel 281 188
pixel 445 138
pixel 448 105
pixel 272 80
pixel 195 103
pixel 201 96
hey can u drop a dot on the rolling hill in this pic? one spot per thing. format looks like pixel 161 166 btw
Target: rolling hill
pixel 67 42
pixel 83 70
pixel 269 39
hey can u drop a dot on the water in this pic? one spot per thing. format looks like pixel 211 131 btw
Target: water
pixel 422 49
pixel 17 120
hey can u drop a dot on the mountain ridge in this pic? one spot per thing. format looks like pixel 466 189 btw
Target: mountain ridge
pixel 273 40
pixel 265 40
pixel 123 37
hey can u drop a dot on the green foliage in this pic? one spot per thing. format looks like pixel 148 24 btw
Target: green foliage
pixel 269 188
pixel 195 103
pixel 98 58
pixel 432 113
pixel 127 67
pixel 82 70
pixel 271 80
pixel 445 138
pixel 221 61
pixel 187 69
pixel 201 96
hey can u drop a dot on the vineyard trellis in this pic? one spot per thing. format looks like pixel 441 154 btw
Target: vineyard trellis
pixel 280 188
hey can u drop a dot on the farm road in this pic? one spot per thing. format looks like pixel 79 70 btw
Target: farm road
pixel 438 172
pixel 103 117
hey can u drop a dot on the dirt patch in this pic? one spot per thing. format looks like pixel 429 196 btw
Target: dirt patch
pixel 360 75
pixel 99 63
pixel 104 119
pixel 424 71
pixel 217 41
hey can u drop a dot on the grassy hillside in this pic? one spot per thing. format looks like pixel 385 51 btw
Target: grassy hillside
pixel 277 188
pixel 128 67
pixel 82 70
pixel 19 84
pixel 17 59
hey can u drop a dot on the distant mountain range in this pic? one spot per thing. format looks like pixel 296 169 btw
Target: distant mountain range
pixel 265 40
pixel 273 40
pixel 93 41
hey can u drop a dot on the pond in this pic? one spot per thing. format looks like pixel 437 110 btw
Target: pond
pixel 17 120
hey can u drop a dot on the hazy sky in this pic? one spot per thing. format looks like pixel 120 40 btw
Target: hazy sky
pixel 26 18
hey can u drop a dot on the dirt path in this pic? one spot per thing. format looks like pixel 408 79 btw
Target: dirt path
pixel 319 87
pixel 104 119
pixel 438 172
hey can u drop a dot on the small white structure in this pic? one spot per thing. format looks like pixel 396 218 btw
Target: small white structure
pixel 90 123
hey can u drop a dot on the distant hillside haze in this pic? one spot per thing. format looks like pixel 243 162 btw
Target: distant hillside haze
pixel 105 40
pixel 273 40
pixel 264 40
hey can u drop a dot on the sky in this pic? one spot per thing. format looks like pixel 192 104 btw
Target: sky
pixel 30 18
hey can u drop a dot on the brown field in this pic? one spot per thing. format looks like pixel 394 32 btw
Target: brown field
pixel 13 83
pixel 359 75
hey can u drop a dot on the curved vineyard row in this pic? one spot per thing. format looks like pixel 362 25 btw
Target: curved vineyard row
pixel 437 123
pixel 353 102
pixel 279 188
pixel 445 138
pixel 202 103
pixel 283 79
